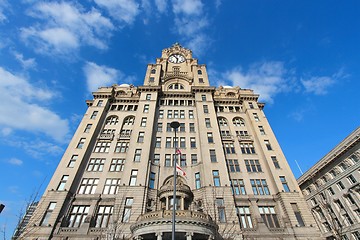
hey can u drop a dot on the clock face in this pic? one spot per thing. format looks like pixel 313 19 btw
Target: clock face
pixel 176 58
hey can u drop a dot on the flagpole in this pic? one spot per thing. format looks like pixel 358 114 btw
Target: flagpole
pixel 174 125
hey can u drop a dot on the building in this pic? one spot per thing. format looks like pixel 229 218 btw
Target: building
pixel 332 190
pixel 25 220
pixel 115 180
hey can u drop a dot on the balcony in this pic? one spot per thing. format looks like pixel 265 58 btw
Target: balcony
pixel 244 138
pixel 227 137
pixel 124 136
pixel 106 136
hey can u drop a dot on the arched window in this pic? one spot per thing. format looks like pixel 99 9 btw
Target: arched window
pixel 153 71
pixel 112 120
pixel 237 121
pixel 176 86
pixel 199 72
pixel 129 120
pixel 222 122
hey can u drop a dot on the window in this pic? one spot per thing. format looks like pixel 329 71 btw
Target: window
pixel 222 122
pixel 351 179
pixel 193 158
pixel 203 98
pixel 88 185
pixel 269 217
pixel 233 165
pixel 117 165
pixel 112 120
pixel 151 79
pixel 146 108
pixel 229 148
pixel 141 137
pixel 176 113
pixel 156 158
pixel 100 103
pixel 122 147
pixel 199 72
pixel 253 166
pixel 148 97
pixel 259 187
pixel 242 133
pixel 158 142
pixel 256 117
pixel 62 183
pixel 267 144
pixel 356 235
pixel 103 216
pixel 191 114
pixel 192 142
pixel 72 161
pixel 350 200
pixel 96 165
pixel 78 215
pixel 102 147
pixel 182 142
pixel 161 113
pixel 129 120
pixel 133 177
pixel 221 209
pixel 47 215
pixel 182 158
pixel 182 113
pixel 87 128
pixel 247 148
pixel 81 143
pixel 94 114
pixel 111 186
pixel 210 137
pixel 168 127
pixel 216 178
pixel 275 162
pixel 152 180
pixel 251 105
pixel 347 220
pixel 127 209
pixel 137 156
pixel 167 160
pixel 206 108
pixel 284 184
pixel 182 127
pixel 176 86
pixel 153 71
pixel 244 217
pixel 197 180
pixel 340 185
pixel 143 122
pixel 262 131
pixel 159 127
pixel 168 142
pixel 238 186
pixel 169 114
pixel 207 122
pixel 331 191
pixel 191 127
pixel 239 122
pixel 212 155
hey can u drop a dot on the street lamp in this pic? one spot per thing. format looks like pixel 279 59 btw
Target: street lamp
pixel 175 125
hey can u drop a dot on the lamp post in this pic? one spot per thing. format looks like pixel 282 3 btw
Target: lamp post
pixel 175 126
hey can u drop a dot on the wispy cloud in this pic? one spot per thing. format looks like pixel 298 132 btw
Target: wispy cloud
pixel 64 27
pixel 15 161
pixel 125 11
pixel 161 5
pixel 22 110
pixel 100 76
pixel 3 5
pixel 26 63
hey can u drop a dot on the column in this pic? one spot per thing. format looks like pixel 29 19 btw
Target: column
pixel 182 203
pixel 167 203
pixel 189 235
pixel 158 235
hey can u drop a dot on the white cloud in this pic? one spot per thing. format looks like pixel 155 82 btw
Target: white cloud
pixel 21 108
pixel 26 63
pixel 65 27
pixel 318 85
pixel 187 7
pixel 161 5
pixel 124 11
pixel 15 161
pixel 3 6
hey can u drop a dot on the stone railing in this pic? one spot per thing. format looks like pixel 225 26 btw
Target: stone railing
pixel 106 136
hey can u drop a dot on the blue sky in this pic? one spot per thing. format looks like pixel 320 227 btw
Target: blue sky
pixel 301 56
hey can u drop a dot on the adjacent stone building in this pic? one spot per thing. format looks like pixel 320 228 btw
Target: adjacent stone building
pixel 115 180
pixel 332 190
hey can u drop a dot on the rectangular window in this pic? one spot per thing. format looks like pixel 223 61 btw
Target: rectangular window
pixel 111 186
pixel 229 148
pixel 221 209
pixel 238 186
pixel 117 165
pixel 152 180
pixel 168 127
pixel 102 147
pixel 192 142
pixel 100 103
pixel 103 216
pixel 169 114
pixel 251 105
pixel 207 122
pixel 143 122
pixel 262 131
pixel 156 158
pixel 176 114
pixel 340 185
pixel 206 108
pixel 191 114
pixel 151 79
pixel 201 80
pixel 168 142
pixel 203 98
pixel 47 215
pixel 351 179
pixel 193 158
pixel 146 108
pixel 259 187
pixel 212 155
pixel 182 113
pixel 350 200
pixel 133 177
pixel 192 127
pixel 158 142
pixel 197 180
pixel 247 148
pixel 78 215
pixel 233 165
pixel 284 184
pixel 182 160
pixel 81 143
pixel 62 183
pixel 269 217
pixel 122 147
pixel 159 127
pixel 88 185
pixel 148 97
pixel 87 128
pixel 253 165
pixel 167 160
pixel 267 144
pixel 256 117
pixel 94 114
pixel 137 156
pixel 216 178
pixel 182 127
pixel 72 161
pixel 331 191
pixel 210 137
pixel 127 209
pixel 275 162
pixel 245 217
pixel 96 165
pixel 141 137
pixel 182 142
pixel 161 114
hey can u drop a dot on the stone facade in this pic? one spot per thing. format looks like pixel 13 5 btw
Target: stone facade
pixel 115 180
pixel 332 190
